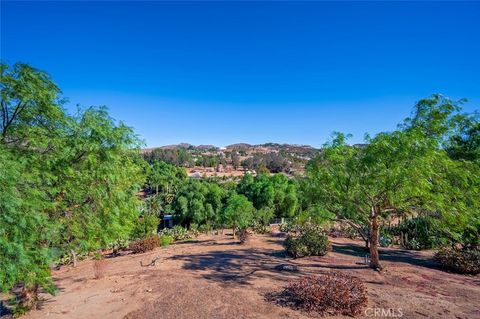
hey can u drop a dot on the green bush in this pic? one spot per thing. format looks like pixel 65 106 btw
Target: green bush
pixel 144 245
pixel 118 244
pixel 145 226
pixel 166 240
pixel 288 227
pixel 177 233
pixel 418 233
pixel 261 229
pixel 194 230
pixel 204 228
pixel 462 261
pixel 310 242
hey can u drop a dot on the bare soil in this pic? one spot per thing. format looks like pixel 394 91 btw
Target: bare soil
pixel 215 277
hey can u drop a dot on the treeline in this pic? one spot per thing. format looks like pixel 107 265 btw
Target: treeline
pixel 207 203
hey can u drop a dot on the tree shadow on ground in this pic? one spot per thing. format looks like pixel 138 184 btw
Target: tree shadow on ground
pixel 394 255
pixel 240 266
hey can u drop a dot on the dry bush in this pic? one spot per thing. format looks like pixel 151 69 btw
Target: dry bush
pixel 243 235
pixel 144 245
pixel 99 267
pixel 462 261
pixel 334 293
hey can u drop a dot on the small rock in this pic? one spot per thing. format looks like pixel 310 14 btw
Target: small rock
pixel 284 267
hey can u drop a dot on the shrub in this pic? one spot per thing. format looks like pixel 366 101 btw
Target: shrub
pixel 194 230
pixel 177 233
pixel 204 228
pixel 334 293
pixel 261 229
pixel 463 261
pixel 418 233
pixel 311 242
pixel 344 231
pixel 117 245
pixel 146 225
pixel 165 240
pixel 99 266
pixel 288 227
pixel 144 245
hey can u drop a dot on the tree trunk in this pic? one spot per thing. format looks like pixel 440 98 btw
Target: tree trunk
pixel 74 257
pixel 374 237
pixel 233 231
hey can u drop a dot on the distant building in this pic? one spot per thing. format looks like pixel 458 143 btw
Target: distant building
pixel 166 222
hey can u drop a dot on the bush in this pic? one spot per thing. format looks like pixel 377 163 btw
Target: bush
pixel 99 266
pixel 261 229
pixel 288 227
pixel 177 233
pixel 165 240
pixel 463 261
pixel 145 226
pixel 117 245
pixel 344 231
pixel 418 233
pixel 204 228
pixel 334 293
pixel 144 245
pixel 194 230
pixel 310 242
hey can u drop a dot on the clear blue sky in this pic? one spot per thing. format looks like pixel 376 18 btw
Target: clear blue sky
pixel 220 73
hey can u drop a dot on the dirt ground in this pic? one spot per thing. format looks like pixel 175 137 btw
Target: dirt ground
pixel 214 277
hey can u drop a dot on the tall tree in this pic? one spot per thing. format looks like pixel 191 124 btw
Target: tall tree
pixel 69 182
pixel 394 173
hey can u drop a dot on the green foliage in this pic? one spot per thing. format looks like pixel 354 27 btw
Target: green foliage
pixel 419 233
pixel 68 183
pixel 166 240
pixel 177 157
pixel 463 261
pixel 23 227
pixel 178 233
pixel 194 230
pixel 263 216
pixel 239 212
pixel 399 173
pixel 464 143
pixel 276 192
pixel 311 241
pixel 165 179
pixel 199 202
pixel 145 226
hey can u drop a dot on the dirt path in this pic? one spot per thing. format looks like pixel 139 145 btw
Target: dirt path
pixel 214 277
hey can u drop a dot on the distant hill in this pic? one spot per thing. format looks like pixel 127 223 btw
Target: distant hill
pixel 303 150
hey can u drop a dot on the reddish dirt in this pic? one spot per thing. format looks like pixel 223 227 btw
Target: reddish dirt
pixel 214 277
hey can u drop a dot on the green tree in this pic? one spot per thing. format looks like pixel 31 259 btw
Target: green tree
pixel 402 172
pixel 239 212
pixel 69 182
